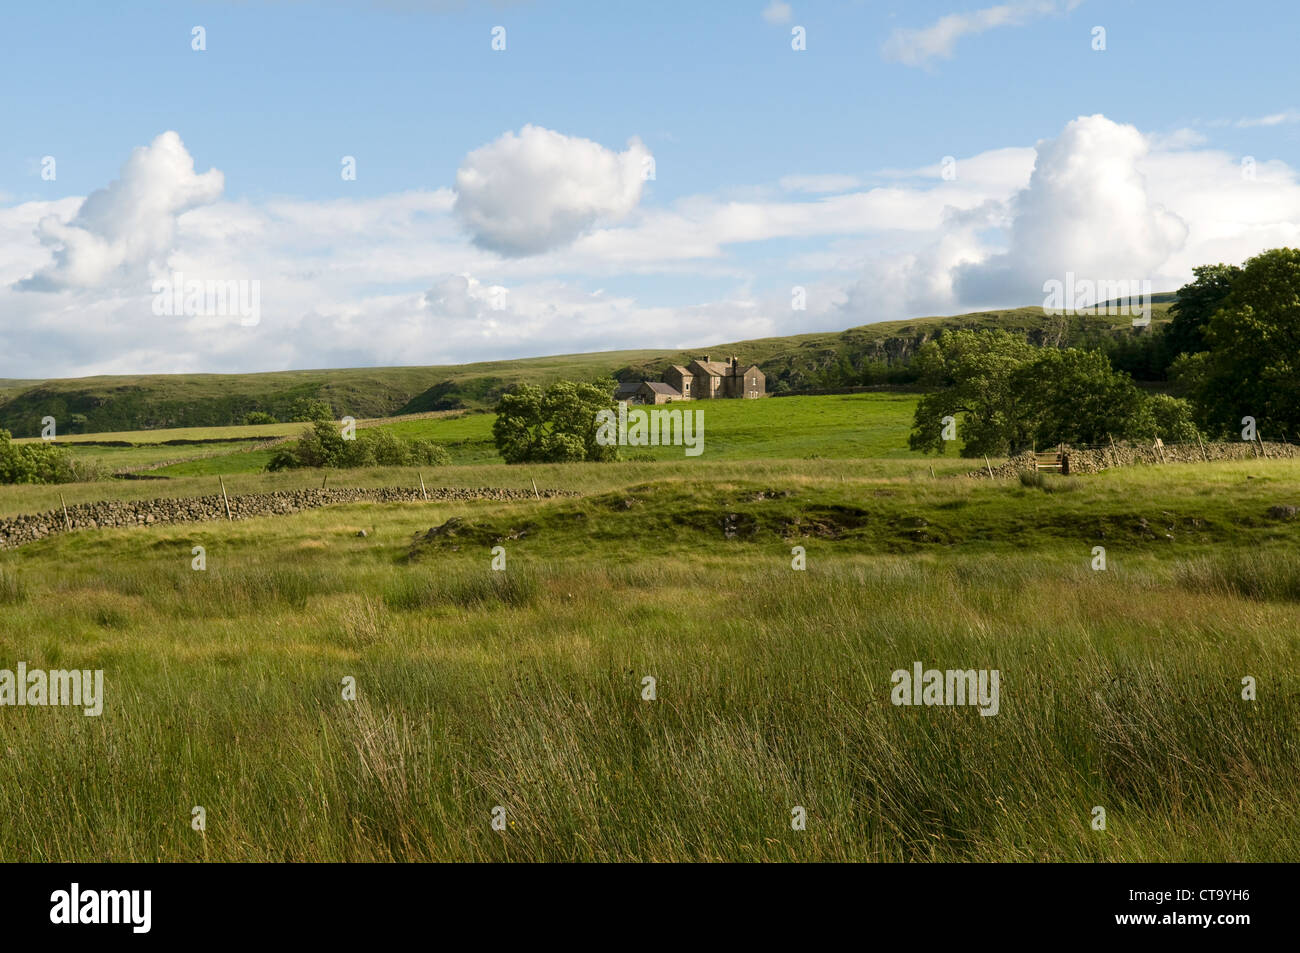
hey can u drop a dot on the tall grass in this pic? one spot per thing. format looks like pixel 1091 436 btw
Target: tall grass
pixel 525 689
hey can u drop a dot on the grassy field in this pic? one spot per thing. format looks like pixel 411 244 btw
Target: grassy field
pixel 857 426
pixel 523 688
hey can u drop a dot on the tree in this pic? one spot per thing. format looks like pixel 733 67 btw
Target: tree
pixel 1253 341
pixel 254 417
pixel 1196 304
pixel 1073 396
pixel 1171 419
pixel 1012 396
pixel 973 373
pixel 310 410
pixel 555 425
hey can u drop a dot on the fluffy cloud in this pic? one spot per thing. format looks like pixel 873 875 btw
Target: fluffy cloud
pixel 539 190
pixel 777 12
pixel 391 279
pixel 1087 209
pixel 918 47
pixel 128 227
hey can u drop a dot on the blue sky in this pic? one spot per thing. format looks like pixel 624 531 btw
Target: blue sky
pixel 774 168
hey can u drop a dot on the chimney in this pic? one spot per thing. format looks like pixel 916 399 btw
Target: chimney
pixel 706 358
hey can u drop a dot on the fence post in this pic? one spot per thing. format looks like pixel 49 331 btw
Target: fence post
pixel 225 498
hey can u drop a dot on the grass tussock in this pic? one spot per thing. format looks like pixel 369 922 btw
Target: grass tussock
pixel 1272 575
pixel 12 588
pixel 1048 482
pixel 463 588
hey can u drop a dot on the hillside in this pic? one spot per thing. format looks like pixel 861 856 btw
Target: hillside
pixel 155 401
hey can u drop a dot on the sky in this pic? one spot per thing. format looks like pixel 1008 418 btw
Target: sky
pixel 410 182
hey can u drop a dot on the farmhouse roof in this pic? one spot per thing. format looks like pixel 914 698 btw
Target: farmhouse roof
pixel 628 387
pixel 659 387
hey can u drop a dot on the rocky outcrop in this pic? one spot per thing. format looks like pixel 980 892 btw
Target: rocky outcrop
pixel 16 530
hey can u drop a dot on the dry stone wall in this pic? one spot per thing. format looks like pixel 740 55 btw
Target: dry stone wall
pixel 1124 455
pixel 16 530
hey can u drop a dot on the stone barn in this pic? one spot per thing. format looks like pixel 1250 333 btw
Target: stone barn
pixel 654 392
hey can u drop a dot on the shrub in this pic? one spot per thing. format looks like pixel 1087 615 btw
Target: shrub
pixel 34 462
pixel 324 446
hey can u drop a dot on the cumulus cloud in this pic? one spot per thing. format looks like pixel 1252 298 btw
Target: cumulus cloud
pixel 461 297
pixel 540 190
pixel 1087 209
pixel 129 226
pixel 392 279
pixel 918 47
pixel 777 12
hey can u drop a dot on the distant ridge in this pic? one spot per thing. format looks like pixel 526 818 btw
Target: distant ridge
pixel 154 401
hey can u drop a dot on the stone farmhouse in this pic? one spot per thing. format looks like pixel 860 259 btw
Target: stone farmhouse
pixel 701 380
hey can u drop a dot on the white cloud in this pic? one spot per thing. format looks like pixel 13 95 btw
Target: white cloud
pixel 777 12
pixel 1104 202
pixel 819 183
pixel 1183 138
pixel 1273 119
pixel 1087 209
pixel 392 279
pixel 129 227
pixel 913 47
pixel 539 190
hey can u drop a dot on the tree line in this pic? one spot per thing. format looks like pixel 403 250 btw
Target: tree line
pixel 1229 352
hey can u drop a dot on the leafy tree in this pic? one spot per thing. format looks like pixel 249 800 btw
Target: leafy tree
pixel 1012 396
pixel 309 410
pixel 1253 365
pixel 1171 419
pixel 1073 396
pixel 554 425
pixel 1196 304
pixel 254 417
pixel 973 372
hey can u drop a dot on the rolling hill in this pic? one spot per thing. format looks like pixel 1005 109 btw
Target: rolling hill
pixel 155 401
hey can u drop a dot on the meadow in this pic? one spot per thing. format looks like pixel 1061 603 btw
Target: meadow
pixel 857 426
pixel 524 688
